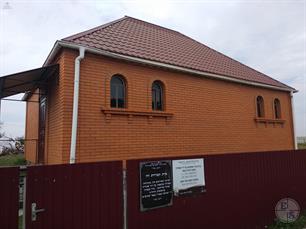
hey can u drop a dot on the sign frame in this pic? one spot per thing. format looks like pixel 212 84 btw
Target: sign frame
pixel 194 173
pixel 170 203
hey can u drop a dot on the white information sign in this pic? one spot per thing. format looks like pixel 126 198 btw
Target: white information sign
pixel 188 174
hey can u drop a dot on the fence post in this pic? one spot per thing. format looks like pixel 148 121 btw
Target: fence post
pixel 24 202
pixel 124 199
pixel 36 153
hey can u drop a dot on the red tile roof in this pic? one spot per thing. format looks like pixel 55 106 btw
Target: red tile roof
pixel 136 38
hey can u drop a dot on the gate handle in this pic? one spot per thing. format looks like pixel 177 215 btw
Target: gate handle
pixel 35 211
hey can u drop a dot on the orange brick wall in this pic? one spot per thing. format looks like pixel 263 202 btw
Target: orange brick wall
pixel 54 119
pixel 31 130
pixel 209 116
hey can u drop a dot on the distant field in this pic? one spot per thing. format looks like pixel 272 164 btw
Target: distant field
pixel 11 160
pixel 302 145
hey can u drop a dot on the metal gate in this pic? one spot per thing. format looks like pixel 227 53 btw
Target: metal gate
pixel 74 196
pixel 9 192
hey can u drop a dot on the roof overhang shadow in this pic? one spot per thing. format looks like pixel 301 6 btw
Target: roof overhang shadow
pixel 27 81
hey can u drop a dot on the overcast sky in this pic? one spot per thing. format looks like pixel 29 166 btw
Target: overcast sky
pixel 269 36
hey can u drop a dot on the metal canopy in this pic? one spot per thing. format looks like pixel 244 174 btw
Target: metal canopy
pixel 26 81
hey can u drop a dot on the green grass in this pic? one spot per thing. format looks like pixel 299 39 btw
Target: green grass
pixel 299 224
pixel 20 219
pixel 12 160
pixel 302 146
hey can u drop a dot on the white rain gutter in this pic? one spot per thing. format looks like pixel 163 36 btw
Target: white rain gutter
pixel 66 44
pixel 293 121
pixel 75 103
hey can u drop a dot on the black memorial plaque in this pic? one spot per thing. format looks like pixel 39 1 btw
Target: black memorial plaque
pixel 155 184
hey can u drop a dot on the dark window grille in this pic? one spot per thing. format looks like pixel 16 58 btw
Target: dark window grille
pixel 117 92
pixel 277 109
pixel 260 106
pixel 157 96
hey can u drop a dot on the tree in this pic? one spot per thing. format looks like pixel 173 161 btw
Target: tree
pixel 14 146
pixel 11 145
pixel 19 144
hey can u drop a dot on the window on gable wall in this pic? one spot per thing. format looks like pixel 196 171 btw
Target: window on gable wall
pixel 118 92
pixel 157 96
pixel 277 109
pixel 260 107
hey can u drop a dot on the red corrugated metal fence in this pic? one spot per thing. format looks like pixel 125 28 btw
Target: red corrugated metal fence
pixel 241 192
pixel 9 196
pixel 75 196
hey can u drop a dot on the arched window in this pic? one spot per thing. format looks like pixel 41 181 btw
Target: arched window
pixel 117 92
pixel 277 109
pixel 260 106
pixel 157 96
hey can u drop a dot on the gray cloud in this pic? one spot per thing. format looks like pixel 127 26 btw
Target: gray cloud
pixel 269 36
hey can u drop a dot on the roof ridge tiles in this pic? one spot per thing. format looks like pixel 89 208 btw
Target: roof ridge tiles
pixel 92 30
pixel 137 38
pixel 154 25
pixel 244 65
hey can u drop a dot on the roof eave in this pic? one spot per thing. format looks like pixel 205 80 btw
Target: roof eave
pixel 65 44
pixel 26 96
pixel 56 47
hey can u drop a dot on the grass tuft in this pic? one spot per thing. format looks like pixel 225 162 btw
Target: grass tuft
pixel 300 223
pixel 12 160
pixel 301 145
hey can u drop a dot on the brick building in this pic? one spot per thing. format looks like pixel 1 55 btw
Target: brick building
pixel 131 89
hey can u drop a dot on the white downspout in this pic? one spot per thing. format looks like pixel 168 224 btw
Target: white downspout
pixel 75 104
pixel 293 120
